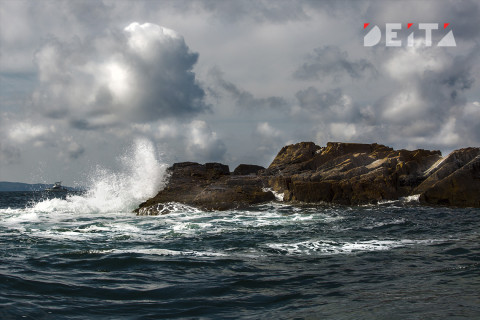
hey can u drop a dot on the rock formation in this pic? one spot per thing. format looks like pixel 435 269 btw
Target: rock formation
pixel 209 187
pixel 344 173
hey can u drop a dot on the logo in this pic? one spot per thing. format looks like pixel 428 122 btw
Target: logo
pixel 423 30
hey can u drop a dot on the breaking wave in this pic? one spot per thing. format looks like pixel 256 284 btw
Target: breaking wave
pixel 140 177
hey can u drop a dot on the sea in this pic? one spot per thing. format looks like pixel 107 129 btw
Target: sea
pixel 88 256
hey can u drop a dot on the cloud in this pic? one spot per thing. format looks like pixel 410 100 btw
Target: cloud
pixel 9 154
pixel 424 103
pixel 464 15
pixel 183 141
pixel 333 115
pixel 94 84
pixel 15 131
pixel 258 11
pixel 467 124
pixel 203 143
pixel 269 141
pixel 330 106
pixel 429 98
pixel 330 61
pixel 265 130
pixel 73 149
pixel 27 136
pixel 23 132
pixel 140 74
pixel 243 98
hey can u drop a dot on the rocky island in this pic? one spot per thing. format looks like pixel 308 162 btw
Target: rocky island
pixel 343 173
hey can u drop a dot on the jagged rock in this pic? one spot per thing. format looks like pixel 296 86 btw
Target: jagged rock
pixel 345 173
pixel 247 169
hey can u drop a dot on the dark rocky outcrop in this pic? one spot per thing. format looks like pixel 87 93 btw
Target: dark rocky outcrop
pixel 345 173
pixel 209 187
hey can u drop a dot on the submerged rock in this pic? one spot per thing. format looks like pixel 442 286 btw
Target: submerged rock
pixel 345 173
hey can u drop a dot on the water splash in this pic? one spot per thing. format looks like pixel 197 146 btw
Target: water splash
pixel 141 176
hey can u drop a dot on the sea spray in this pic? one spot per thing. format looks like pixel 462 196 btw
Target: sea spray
pixel 141 175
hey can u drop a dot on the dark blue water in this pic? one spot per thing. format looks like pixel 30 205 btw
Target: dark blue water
pixel 69 259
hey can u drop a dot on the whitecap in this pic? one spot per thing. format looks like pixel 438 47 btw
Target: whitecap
pixel 330 247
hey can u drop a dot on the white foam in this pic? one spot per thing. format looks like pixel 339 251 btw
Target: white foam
pixel 278 195
pixel 330 247
pixel 412 198
pixel 170 208
pixel 386 202
pixel 168 252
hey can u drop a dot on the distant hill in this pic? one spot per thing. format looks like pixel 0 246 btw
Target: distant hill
pixel 19 186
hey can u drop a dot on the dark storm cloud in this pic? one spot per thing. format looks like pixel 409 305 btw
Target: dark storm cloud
pixel 139 75
pixel 258 10
pixel 464 17
pixel 278 11
pixel 446 89
pixel 330 106
pixel 242 97
pixel 330 61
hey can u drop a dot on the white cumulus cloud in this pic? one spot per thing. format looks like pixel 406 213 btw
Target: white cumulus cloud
pixel 202 143
pixel 136 75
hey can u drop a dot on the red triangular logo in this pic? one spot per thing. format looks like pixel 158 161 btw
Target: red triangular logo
pixel 365 25
pixel 445 25
pixel 409 25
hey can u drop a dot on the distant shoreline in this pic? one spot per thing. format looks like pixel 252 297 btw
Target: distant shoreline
pixel 6 186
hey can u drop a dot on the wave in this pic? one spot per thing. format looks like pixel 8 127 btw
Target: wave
pixel 141 176
pixel 331 247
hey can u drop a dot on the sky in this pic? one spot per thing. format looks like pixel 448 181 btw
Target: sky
pixel 228 81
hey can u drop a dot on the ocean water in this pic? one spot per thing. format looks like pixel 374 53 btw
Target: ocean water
pixel 87 256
